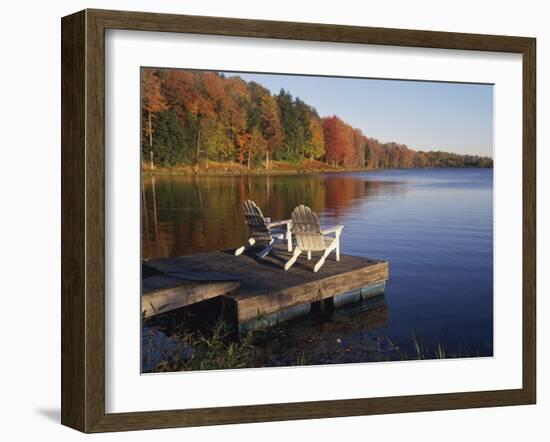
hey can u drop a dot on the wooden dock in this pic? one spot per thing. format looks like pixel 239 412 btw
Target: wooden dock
pixel 258 288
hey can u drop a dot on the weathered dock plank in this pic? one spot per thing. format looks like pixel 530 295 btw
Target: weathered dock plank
pixel 265 288
pixel 179 293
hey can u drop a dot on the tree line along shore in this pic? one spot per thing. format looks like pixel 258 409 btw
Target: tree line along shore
pixel 204 122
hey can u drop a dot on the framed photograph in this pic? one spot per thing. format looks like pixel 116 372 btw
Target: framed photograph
pixel 270 220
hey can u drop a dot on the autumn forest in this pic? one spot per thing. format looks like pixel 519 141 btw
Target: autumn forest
pixel 197 118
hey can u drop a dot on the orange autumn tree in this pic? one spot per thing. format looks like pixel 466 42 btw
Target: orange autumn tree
pixel 152 102
pixel 271 126
pixel 242 140
pixel 357 156
pixel 256 146
pixel 334 130
pixel 233 114
pixel 315 147
pixel 182 92
pixel 349 156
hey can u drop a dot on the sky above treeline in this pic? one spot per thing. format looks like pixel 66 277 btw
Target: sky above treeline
pixel 452 117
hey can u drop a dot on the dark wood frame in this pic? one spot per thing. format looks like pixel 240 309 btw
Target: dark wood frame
pixel 83 217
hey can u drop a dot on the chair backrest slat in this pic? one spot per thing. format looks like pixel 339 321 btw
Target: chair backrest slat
pixel 256 222
pixel 307 229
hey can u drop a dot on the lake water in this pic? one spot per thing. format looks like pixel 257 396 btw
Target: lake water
pixel 434 227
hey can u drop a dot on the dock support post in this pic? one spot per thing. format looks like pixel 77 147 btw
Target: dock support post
pixel 229 314
pixel 323 308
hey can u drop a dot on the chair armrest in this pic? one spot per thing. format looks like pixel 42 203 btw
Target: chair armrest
pixel 279 223
pixel 335 229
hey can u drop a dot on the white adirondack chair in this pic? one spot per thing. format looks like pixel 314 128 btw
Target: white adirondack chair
pixel 311 238
pixel 263 231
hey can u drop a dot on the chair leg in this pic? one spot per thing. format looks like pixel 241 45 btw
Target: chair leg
pixel 338 246
pixel 309 255
pixel 289 240
pixel 240 250
pixel 292 260
pixel 322 260
pixel 264 252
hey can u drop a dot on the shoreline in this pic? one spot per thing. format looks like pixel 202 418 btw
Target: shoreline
pixel 231 169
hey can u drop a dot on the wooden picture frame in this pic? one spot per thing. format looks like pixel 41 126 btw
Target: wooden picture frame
pixel 83 220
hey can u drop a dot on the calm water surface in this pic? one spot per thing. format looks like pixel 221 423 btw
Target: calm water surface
pixel 434 227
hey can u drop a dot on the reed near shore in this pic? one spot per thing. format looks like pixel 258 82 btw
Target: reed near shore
pixel 216 348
